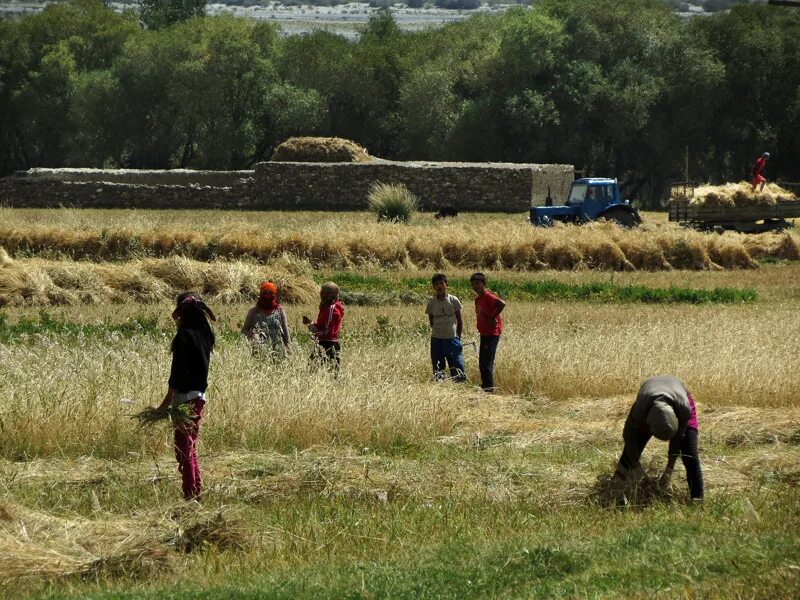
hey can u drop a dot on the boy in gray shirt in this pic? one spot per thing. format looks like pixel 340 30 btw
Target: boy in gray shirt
pixel 444 315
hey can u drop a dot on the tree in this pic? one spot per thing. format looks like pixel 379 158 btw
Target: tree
pixel 287 111
pixel 96 114
pixel 428 110
pixel 323 62
pixel 381 61
pixel 219 85
pixel 758 46
pixel 41 57
pixel 620 87
pixel 158 14
pixel 43 98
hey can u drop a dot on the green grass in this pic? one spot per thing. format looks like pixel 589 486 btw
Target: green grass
pixel 346 548
pixel 375 290
pixel 58 324
pixel 47 323
pixel 458 538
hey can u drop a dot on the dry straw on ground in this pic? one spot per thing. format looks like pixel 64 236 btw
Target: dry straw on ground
pixel 36 544
pixel 343 242
pixel 634 492
pixel 732 194
pixel 37 282
pixel 40 545
pixel 320 149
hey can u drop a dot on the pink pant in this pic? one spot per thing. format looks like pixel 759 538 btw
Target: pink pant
pixel 185 450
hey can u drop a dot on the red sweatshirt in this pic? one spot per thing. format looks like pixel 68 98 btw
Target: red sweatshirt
pixel 329 322
pixel 759 165
pixel 485 305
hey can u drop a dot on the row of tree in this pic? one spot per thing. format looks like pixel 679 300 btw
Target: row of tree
pixel 678 5
pixel 619 88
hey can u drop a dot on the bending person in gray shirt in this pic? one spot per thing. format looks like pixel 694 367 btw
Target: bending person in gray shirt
pixel 664 408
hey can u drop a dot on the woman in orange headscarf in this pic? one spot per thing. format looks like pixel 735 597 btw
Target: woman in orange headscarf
pixel 266 325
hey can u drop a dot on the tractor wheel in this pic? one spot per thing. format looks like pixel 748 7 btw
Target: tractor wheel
pixel 622 218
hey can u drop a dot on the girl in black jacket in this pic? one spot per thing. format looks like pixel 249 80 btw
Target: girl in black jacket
pixel 188 381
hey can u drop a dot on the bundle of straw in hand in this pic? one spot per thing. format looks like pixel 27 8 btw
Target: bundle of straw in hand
pixel 176 413
pixel 150 415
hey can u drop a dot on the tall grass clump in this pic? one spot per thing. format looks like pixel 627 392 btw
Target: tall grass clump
pixel 88 405
pixel 392 202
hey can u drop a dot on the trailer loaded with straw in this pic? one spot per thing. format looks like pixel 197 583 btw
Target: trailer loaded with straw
pixel 734 207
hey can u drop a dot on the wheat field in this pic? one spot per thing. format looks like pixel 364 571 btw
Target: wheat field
pixel 382 483
pixel 561 354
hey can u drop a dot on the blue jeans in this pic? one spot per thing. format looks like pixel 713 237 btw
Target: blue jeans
pixel 486 360
pixel 449 351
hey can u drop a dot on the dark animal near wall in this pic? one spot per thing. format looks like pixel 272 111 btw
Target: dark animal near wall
pixel 446 211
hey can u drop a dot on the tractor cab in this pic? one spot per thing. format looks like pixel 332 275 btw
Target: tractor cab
pixel 594 191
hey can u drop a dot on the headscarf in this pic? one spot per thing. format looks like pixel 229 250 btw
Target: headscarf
pixel 662 420
pixel 186 300
pixel 264 302
pixel 193 325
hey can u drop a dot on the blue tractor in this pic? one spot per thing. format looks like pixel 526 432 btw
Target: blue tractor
pixel 590 198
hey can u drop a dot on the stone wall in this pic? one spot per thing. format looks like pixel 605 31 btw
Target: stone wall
pixel 501 187
pixel 182 177
pixel 491 187
pixel 36 193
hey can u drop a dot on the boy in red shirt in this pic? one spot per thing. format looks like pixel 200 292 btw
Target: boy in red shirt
pixel 487 310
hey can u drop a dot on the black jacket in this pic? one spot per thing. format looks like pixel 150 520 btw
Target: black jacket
pixel 191 354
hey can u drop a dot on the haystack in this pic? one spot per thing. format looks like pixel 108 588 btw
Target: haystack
pixel 35 544
pixel 320 149
pixel 38 545
pixel 732 194
pixel 38 282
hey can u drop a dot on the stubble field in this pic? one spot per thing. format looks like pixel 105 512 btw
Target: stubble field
pixel 381 483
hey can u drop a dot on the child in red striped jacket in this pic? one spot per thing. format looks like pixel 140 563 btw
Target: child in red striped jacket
pixel 328 324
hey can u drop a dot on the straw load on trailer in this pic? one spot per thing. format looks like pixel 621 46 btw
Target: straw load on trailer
pixel 734 206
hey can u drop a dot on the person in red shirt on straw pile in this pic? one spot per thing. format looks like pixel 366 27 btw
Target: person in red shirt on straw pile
pixel 487 310
pixel 758 167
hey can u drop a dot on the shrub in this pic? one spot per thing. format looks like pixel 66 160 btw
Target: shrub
pixel 392 202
